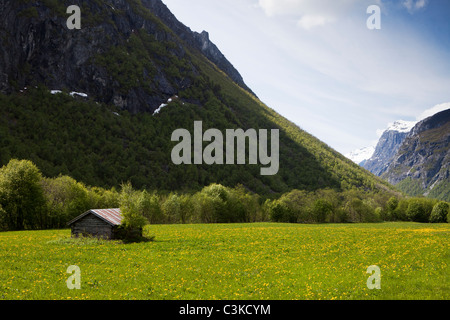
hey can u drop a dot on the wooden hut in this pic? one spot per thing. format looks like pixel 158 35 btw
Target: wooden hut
pixel 99 223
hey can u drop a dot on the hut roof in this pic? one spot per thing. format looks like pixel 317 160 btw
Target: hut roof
pixel 110 216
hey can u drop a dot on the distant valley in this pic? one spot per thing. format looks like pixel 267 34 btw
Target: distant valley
pixel 414 156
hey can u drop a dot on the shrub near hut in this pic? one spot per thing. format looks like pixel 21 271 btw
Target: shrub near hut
pixel 133 206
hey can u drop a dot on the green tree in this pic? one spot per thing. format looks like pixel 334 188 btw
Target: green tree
pixel 400 211
pixel 419 210
pixel 66 199
pixel 151 209
pixel 22 196
pixel 391 206
pixel 361 210
pixel 439 212
pixel 321 209
pixel 172 208
pixel 187 209
pixel 279 211
pixel 355 207
pixel 204 208
pixel 226 207
pixel 249 203
pixel 299 203
pixel 3 221
pixel 132 206
pixel 103 199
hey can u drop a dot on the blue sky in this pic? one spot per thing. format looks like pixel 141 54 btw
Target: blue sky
pixel 316 62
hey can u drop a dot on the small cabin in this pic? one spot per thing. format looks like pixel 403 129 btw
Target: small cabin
pixel 99 223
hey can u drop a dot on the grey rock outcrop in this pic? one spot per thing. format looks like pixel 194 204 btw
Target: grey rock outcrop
pixel 424 156
pixel 385 150
pixel 36 47
pixel 201 41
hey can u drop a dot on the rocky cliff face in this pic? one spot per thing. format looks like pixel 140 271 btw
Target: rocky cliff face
pixel 112 58
pixel 422 163
pixel 385 150
pixel 387 147
pixel 200 41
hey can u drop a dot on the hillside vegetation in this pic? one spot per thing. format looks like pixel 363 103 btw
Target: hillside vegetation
pixel 113 137
pixel 103 146
pixel 29 200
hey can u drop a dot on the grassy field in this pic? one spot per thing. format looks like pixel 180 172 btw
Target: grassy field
pixel 238 261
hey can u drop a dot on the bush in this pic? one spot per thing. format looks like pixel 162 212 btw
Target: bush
pixel 419 210
pixel 132 206
pixel 440 212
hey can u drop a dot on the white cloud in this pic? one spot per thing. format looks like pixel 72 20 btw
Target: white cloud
pixel 414 5
pixel 309 13
pixel 432 111
pixel 309 21
pixel 331 75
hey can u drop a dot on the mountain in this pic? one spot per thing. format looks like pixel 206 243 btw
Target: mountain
pixel 360 156
pixel 93 60
pixel 101 103
pixel 421 165
pixel 388 145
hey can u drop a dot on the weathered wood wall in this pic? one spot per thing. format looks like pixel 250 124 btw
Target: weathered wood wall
pixel 92 225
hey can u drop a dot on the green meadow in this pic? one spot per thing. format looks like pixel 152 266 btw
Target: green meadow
pixel 262 261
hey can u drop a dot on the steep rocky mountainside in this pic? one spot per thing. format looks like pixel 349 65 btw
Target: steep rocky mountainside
pixel 387 147
pixel 37 47
pixel 385 150
pixel 422 164
pixel 140 75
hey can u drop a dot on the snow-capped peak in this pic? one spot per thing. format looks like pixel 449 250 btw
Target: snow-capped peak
pixel 401 126
pixel 360 155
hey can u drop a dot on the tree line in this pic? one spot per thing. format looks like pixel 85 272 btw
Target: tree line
pixel 30 201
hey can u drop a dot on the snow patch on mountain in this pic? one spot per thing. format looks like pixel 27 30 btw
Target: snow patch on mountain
pixel 80 94
pixel 72 94
pixel 401 126
pixel 359 155
pixel 163 105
